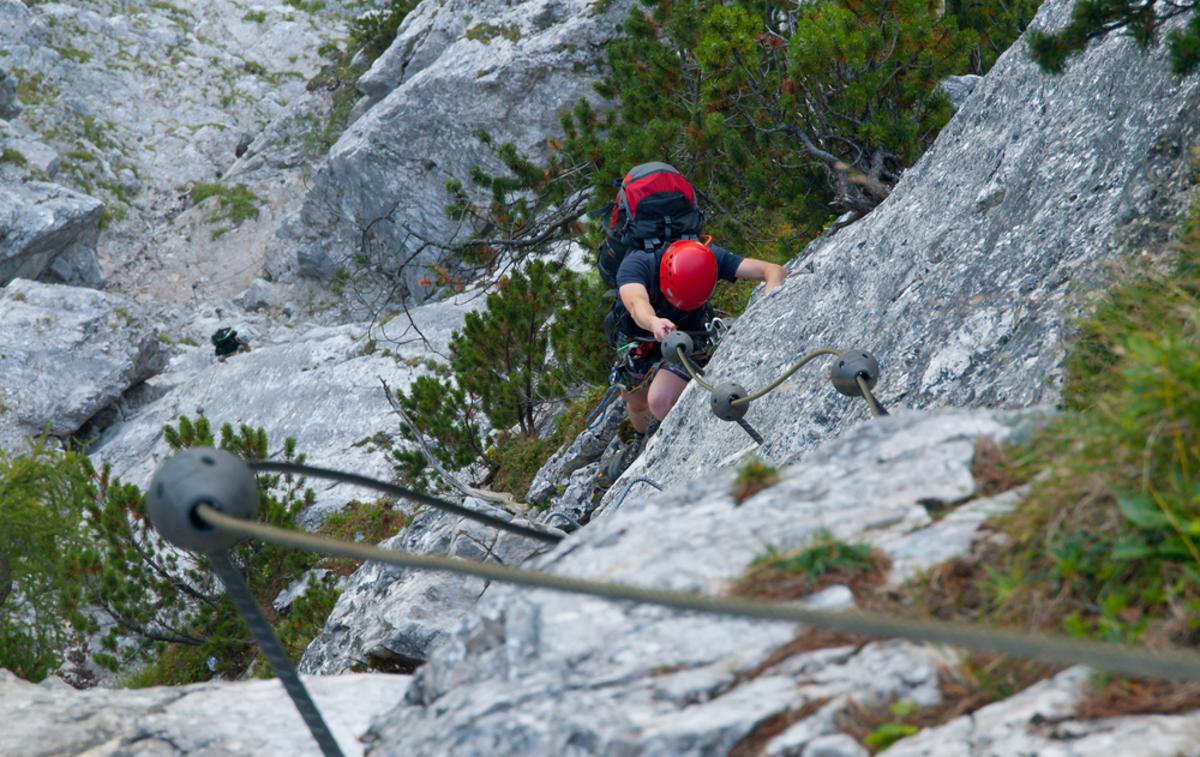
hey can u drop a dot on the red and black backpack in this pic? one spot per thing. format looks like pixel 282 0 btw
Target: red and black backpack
pixel 655 206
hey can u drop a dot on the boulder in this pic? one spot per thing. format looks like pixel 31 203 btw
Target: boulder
pixel 68 354
pixel 389 617
pixel 48 230
pixel 215 718
pixel 454 68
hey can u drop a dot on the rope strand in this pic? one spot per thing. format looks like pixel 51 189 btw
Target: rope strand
pixel 1142 663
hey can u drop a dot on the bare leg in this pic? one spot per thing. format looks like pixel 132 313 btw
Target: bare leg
pixel 637 408
pixel 664 392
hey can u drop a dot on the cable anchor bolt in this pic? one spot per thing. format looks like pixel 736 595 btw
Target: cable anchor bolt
pixel 676 341
pixel 852 365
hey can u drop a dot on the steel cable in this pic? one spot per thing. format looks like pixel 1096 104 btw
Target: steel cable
pixel 877 409
pixel 787 374
pixel 1171 665
pixel 400 491
pixel 693 371
pixel 640 480
pixel 268 642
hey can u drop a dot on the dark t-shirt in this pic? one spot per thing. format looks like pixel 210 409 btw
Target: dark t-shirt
pixel 641 267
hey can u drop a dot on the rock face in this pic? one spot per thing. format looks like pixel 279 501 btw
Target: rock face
pixel 142 102
pixel 1040 720
pixel 961 282
pixel 48 230
pixel 100 342
pixel 537 672
pixel 391 617
pixel 455 67
pixel 217 718
pixel 319 385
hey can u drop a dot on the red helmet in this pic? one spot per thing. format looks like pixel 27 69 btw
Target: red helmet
pixel 687 274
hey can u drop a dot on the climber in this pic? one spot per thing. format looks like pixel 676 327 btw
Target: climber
pixel 226 342
pixel 661 276
pixel 663 292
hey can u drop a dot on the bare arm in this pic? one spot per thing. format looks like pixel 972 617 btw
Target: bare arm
pixel 636 300
pixel 760 270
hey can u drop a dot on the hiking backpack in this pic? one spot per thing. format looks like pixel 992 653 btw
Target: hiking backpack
pixel 223 336
pixel 654 206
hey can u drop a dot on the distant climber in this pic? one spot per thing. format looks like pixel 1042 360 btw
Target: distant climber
pixel 664 277
pixel 226 342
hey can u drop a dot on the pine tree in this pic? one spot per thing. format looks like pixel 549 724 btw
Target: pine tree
pixel 39 533
pixel 1141 19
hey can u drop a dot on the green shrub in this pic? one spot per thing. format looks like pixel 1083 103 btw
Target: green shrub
pixel 40 532
pixel 501 355
pixel 1095 19
pixel 9 155
pixel 1108 543
pixel 374 31
pixel 150 591
pixel 234 204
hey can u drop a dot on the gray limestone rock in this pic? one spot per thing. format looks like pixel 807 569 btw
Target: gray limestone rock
pixel 618 678
pixel 25 156
pixel 390 617
pixel 10 107
pixel 1041 720
pixel 319 385
pixel 215 718
pixel 585 449
pixel 142 102
pixel 455 67
pixel 959 88
pixel 260 294
pixel 41 223
pixel 67 355
pixel 963 281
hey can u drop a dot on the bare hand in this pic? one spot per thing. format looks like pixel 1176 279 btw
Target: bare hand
pixel 661 327
pixel 774 277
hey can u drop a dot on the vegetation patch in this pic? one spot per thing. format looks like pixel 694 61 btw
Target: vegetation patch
pixel 12 156
pixel 752 478
pixel 234 204
pixel 71 53
pixel 256 17
pixel 1106 545
pixel 977 682
pixel 73 537
pixel 33 89
pixel 1109 696
pixel 994 469
pixel 826 562
pixel 484 33
pixel 316 6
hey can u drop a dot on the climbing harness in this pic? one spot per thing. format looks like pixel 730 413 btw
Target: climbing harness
pixel 204 500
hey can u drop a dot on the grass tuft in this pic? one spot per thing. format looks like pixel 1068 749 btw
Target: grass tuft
pixel 826 562
pixel 752 478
